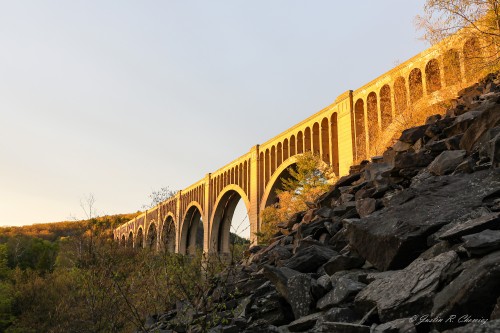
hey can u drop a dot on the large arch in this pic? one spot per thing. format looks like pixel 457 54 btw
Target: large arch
pixel 123 240
pixel 372 115
pixel 222 216
pixel 167 233
pixel 472 57
pixel 130 240
pixel 400 95
pixel 269 197
pixel 139 238
pixel 192 233
pixel 152 236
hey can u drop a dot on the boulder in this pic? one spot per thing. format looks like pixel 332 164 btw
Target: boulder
pixel 342 315
pixel 411 135
pixel 299 295
pixel 304 323
pixel 393 237
pixel 366 206
pixel 344 290
pixel 410 291
pixel 483 242
pixel 412 160
pixel 446 162
pixel 308 260
pixel 343 262
pixel 488 119
pixel 473 293
pixel 487 221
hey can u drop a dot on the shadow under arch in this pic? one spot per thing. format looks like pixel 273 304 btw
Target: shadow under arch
pixel 168 233
pixel 222 216
pixel 151 235
pixel 192 231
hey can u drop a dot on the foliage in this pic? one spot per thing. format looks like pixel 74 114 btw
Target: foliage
pixel 309 178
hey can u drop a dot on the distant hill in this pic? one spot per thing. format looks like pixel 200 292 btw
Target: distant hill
pixel 55 230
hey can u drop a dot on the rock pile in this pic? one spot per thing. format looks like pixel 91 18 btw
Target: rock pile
pixel 407 242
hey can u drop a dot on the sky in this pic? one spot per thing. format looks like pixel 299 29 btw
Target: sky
pixel 120 98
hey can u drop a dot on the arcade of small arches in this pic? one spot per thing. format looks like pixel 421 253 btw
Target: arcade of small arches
pixel 200 216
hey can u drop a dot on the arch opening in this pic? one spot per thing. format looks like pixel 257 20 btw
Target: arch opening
pixel 359 120
pixel 452 72
pixel 432 76
pixel 230 224
pixel 372 113
pixel 400 95
pixel 130 240
pixel 385 106
pixel 416 86
pixel 192 238
pixel 168 235
pixel 472 57
pixel 139 239
pixel 151 238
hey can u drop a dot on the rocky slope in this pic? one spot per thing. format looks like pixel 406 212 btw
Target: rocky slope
pixel 407 242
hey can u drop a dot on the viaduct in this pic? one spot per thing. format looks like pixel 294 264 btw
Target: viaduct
pixel 199 216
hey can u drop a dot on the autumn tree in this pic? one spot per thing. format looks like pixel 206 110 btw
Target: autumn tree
pixel 309 178
pixel 475 20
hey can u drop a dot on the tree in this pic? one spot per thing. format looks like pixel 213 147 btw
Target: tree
pixel 310 177
pixel 470 19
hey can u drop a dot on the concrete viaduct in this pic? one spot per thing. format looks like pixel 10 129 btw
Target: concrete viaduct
pixel 199 216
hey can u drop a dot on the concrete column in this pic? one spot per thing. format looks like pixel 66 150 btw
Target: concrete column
pixel 254 213
pixel 207 214
pixel 345 134
pixel 178 221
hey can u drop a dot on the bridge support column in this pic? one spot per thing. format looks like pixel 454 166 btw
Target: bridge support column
pixel 253 214
pixel 345 133
pixel 207 213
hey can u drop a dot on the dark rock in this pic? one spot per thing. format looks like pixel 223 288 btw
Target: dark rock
pixel 224 329
pixel 411 135
pixel 473 293
pixel 477 327
pixel 392 237
pixel 325 282
pixel 304 323
pixel 412 160
pixel 342 315
pixel 325 212
pixel 332 327
pixel 488 221
pixel 410 291
pixel 279 253
pixel 403 325
pixel 348 180
pixel 343 291
pixel 446 162
pixel 432 119
pixel 271 309
pixel 299 294
pixel 436 249
pixel 495 314
pixel 366 206
pixel 488 119
pixel 279 278
pixel 343 262
pixel 333 227
pixel 308 260
pixel 482 243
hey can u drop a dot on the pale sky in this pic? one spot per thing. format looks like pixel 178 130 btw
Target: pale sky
pixel 119 98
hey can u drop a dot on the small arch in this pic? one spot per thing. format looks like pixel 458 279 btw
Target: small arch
pixel 335 143
pixel 315 139
pixel 285 149
pixel 325 144
pixel 432 76
pixel 292 146
pixel 472 57
pixel 123 241
pixel 279 154
pixel 300 143
pixel 307 139
pixel 385 106
pixel 359 116
pixel 261 173
pixel 416 86
pixel 400 95
pixel 372 114
pixel 273 159
pixel 452 72
pixel 267 166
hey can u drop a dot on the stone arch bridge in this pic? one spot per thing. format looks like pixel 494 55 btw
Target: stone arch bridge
pixel 342 133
